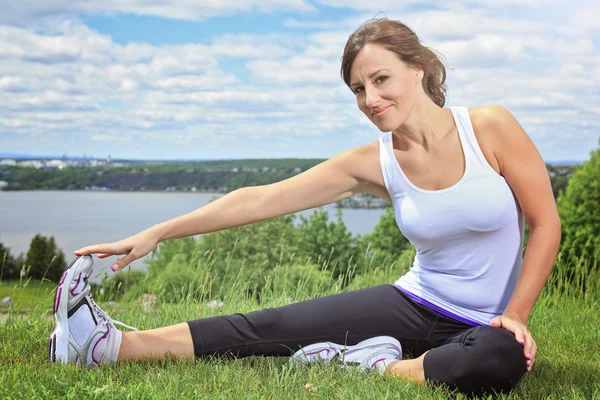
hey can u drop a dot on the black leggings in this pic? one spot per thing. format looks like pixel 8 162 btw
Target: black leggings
pixel 471 359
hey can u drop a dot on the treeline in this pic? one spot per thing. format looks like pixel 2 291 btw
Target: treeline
pixel 43 260
pixel 315 252
pixel 209 176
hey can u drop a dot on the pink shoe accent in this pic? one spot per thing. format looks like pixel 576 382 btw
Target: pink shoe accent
pixel 57 299
pixel 76 285
pixel 373 365
pixel 62 278
pixel 319 351
pixel 99 340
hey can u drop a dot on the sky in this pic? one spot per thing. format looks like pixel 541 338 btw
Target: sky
pixel 231 79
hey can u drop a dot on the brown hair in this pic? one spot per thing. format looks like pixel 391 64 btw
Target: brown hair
pixel 400 39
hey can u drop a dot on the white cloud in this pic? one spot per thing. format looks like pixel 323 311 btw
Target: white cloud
pixel 32 11
pixel 254 46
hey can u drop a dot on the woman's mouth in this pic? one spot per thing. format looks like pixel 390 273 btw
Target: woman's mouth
pixel 380 112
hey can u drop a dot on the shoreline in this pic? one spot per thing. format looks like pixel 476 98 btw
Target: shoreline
pixel 218 194
pixel 110 191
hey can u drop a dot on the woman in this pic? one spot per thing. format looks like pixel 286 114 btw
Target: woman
pixel 461 180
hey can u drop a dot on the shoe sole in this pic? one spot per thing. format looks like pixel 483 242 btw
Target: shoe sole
pixel 302 356
pixel 58 343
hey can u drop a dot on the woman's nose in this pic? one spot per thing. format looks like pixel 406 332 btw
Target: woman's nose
pixel 371 98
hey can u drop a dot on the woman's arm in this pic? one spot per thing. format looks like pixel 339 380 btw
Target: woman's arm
pixel 325 183
pixel 350 172
pixel 523 168
pixel 525 172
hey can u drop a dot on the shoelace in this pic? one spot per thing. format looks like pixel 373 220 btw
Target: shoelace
pixel 108 319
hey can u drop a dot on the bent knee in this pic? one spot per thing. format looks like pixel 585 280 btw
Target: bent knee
pixel 501 357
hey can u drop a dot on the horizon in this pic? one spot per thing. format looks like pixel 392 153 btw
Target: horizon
pixel 179 80
pixel 174 160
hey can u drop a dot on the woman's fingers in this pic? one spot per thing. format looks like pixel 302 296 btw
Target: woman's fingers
pixel 533 351
pixel 526 339
pixel 105 250
pixel 123 262
pixel 110 249
pixel 530 351
pixel 522 335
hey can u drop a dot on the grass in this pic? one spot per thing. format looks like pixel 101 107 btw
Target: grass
pixel 566 329
pixel 28 295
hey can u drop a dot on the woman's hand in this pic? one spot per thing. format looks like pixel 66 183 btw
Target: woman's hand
pixel 521 333
pixel 134 247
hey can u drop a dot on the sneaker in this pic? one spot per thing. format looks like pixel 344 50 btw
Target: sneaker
pixel 84 334
pixel 373 354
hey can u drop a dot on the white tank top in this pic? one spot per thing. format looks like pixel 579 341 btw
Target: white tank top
pixel 468 237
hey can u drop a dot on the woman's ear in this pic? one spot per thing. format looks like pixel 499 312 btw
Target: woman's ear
pixel 418 72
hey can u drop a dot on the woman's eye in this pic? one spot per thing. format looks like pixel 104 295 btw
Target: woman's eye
pixel 381 79
pixel 358 89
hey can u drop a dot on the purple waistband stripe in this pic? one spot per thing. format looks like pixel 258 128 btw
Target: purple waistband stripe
pixel 438 309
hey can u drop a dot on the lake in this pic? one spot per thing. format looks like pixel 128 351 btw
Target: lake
pixel 79 218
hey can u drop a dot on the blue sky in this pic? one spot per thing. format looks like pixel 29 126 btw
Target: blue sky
pixel 198 79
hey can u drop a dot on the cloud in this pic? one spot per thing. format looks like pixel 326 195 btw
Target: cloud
pixel 32 11
pixel 243 94
pixel 254 46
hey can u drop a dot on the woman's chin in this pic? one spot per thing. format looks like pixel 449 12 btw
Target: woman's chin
pixel 384 127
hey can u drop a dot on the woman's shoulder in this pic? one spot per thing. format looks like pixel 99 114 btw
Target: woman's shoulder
pixel 489 116
pixel 489 124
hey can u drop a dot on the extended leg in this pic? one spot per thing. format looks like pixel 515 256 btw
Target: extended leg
pixel 174 341
pixel 345 318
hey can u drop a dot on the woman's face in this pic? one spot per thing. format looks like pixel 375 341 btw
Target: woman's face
pixel 384 85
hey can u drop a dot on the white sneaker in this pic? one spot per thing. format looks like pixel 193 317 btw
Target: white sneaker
pixel 373 354
pixel 84 334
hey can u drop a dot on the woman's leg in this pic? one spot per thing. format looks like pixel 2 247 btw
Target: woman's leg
pixel 86 335
pixel 172 341
pixel 411 368
pixel 345 318
pixel 475 360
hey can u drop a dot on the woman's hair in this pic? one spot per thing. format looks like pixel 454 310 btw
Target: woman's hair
pixel 400 39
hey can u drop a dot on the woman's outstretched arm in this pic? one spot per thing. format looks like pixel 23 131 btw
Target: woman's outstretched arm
pixel 353 171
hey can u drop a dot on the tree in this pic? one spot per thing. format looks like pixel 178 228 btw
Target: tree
pixel 327 242
pixel 579 210
pixel 44 259
pixel 8 265
pixel 386 241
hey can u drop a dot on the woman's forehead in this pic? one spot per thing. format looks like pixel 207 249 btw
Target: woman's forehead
pixel 373 57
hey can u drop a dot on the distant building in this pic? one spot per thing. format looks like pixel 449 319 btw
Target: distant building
pixel 3 184
pixel 56 164
pixel 31 163
pixel 8 162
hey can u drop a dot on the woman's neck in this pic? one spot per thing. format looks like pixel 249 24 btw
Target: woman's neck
pixel 425 124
